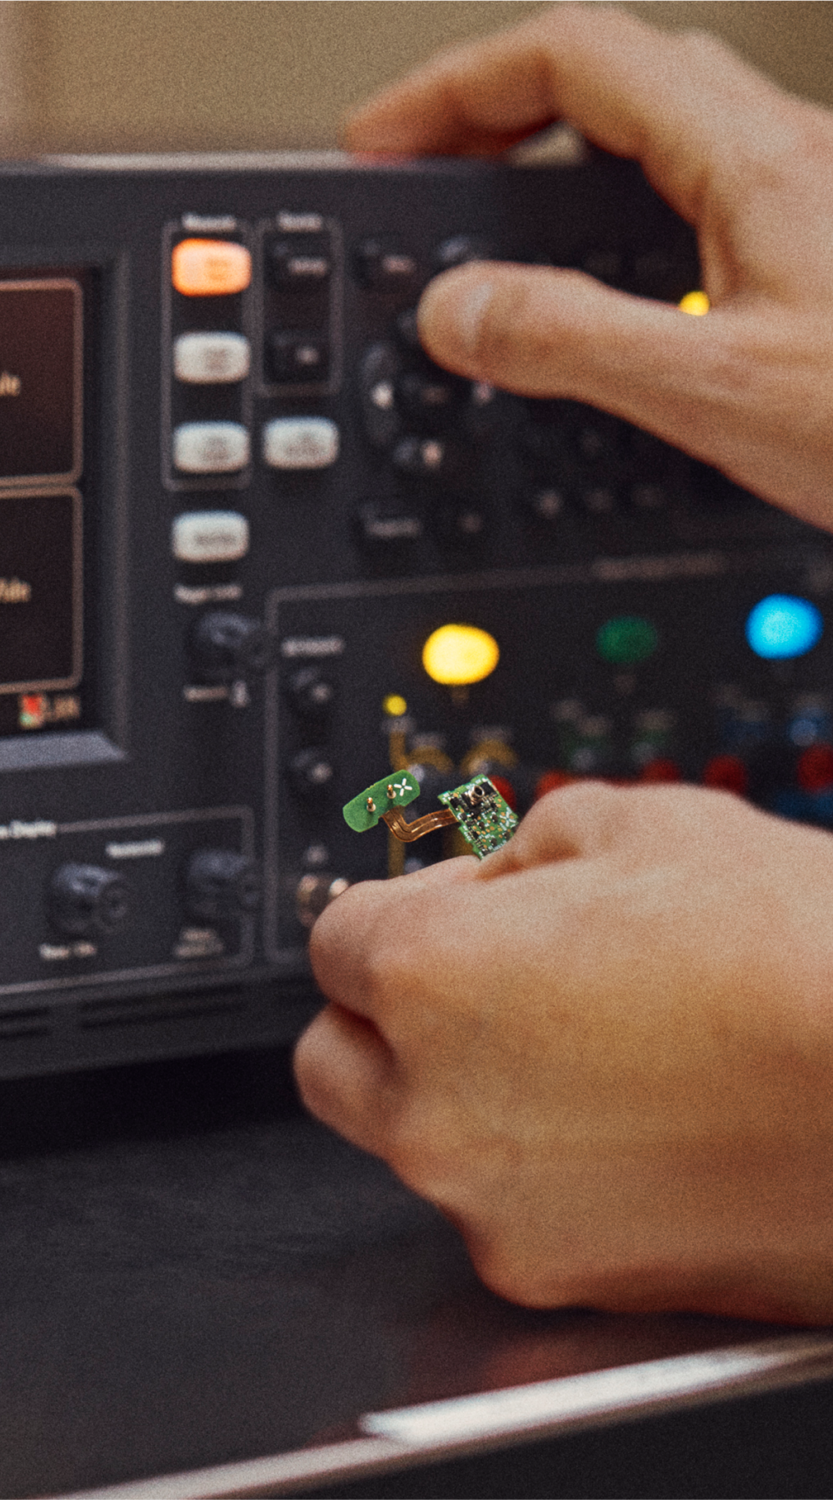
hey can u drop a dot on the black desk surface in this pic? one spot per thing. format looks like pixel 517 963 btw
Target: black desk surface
pixel 194 1273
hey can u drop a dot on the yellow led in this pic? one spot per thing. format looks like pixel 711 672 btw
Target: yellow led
pixel 460 654
pixel 696 303
pixel 394 705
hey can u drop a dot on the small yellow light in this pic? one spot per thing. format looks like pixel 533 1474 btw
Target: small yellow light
pixel 394 705
pixel 460 654
pixel 696 303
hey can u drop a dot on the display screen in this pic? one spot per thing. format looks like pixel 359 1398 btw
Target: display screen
pixel 46 320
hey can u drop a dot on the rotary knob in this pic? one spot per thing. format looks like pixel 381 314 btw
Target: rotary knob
pixel 221 884
pixel 311 692
pixel 85 900
pixel 226 646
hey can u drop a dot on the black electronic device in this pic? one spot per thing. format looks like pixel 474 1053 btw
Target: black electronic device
pixel 237 501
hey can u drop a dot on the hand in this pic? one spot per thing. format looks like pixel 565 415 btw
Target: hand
pixel 749 387
pixel 606 1052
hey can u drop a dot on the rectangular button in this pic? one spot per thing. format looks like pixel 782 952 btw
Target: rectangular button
pixel 40 371
pixel 210 536
pixel 210 447
pixel 211 358
pixel 210 268
pixel 300 443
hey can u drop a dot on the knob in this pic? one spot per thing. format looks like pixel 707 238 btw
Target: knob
pixel 87 899
pixel 226 646
pixel 314 892
pixel 460 249
pixel 221 884
pixel 311 693
pixel 311 772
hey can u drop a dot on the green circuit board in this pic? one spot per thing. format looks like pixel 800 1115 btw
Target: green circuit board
pixel 396 789
pixel 486 821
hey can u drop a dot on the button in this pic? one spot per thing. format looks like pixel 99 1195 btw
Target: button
pixel 378 374
pixel 384 266
pixel 426 397
pixel 211 358
pixel 419 456
pixel 210 536
pixel 210 447
pixel 301 261
pixel 300 443
pixel 210 268
pixel 299 357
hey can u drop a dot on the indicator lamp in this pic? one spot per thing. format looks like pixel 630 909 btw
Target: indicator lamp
pixel 626 640
pixel 394 705
pixel 782 626
pixel 460 654
pixel 695 303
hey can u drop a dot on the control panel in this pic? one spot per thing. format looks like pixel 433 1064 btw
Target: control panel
pixel 258 551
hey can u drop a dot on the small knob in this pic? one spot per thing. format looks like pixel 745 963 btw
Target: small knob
pixel 314 892
pixel 311 772
pixel 311 693
pixel 221 884
pixel 226 646
pixel 87 899
pixel 459 249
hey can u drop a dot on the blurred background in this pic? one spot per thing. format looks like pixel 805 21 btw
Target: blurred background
pixel 138 75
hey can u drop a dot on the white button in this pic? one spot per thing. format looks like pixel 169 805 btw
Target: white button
pixel 300 443
pixel 210 536
pixel 211 358
pixel 210 447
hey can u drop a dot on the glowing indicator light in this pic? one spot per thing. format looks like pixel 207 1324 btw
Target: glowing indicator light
pixel 626 640
pixel 781 627
pixel 210 268
pixel 460 654
pixel 394 705
pixel 695 303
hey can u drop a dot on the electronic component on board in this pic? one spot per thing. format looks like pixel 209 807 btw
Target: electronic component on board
pixel 484 819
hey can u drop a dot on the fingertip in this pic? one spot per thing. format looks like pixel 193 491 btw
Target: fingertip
pixel 451 315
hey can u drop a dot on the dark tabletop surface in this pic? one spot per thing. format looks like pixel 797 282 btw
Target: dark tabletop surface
pixel 194 1272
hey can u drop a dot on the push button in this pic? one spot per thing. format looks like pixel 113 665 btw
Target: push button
pixel 210 536
pixel 210 447
pixel 300 443
pixel 299 357
pixel 210 268
pixel 384 266
pixel 301 261
pixel 211 358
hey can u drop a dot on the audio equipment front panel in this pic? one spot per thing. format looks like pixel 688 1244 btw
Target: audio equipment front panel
pixel 255 546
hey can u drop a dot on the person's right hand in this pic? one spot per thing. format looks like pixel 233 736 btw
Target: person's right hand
pixel 749 387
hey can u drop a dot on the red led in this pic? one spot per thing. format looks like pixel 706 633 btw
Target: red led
pixel 661 769
pixel 728 772
pixel 815 768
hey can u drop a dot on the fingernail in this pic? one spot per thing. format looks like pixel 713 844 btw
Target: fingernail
pixel 451 315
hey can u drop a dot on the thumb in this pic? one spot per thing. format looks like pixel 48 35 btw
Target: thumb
pixel 540 331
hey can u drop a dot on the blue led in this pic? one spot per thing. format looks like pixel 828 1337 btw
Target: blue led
pixel 781 626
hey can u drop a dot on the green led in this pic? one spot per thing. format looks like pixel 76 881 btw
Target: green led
pixel 626 640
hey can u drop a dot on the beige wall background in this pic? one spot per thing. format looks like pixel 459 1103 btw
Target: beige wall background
pixel 128 75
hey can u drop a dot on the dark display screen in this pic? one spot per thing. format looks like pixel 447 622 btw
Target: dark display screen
pixel 45 324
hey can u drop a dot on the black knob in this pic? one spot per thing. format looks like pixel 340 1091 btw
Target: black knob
pixel 87 899
pixel 460 249
pixel 310 692
pixel 221 884
pixel 311 772
pixel 226 646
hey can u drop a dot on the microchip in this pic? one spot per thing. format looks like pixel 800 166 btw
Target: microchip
pixel 485 820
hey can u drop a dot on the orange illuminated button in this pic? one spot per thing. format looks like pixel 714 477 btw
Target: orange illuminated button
pixel 660 769
pixel 210 268
pixel 551 781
